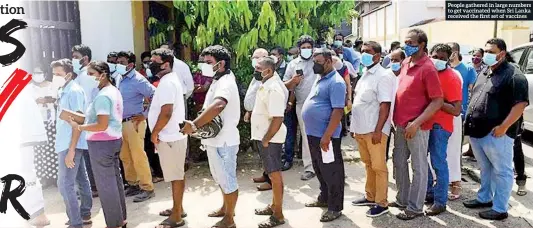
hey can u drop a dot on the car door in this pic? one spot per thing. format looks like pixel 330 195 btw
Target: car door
pixel 527 68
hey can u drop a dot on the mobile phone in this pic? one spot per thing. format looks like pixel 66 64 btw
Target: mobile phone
pixel 300 72
pixel 48 97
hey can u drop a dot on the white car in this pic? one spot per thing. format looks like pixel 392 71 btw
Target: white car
pixel 523 55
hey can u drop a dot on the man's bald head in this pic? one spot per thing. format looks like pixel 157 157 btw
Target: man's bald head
pixel 260 53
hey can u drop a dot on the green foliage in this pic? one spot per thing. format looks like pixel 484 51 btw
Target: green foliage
pixel 159 32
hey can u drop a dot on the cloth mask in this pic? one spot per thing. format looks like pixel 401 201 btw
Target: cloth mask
pixel 476 60
pixel 410 50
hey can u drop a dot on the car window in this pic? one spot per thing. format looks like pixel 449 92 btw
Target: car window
pixel 517 55
pixel 529 63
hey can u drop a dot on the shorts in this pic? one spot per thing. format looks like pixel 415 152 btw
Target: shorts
pixel 223 166
pixel 172 159
pixel 270 156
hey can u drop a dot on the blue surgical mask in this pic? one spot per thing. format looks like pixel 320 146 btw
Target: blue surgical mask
pixel 395 66
pixel 76 65
pixel 490 59
pixel 440 65
pixel 121 69
pixel 112 67
pixel 254 63
pixel 289 58
pixel 337 43
pixel 306 53
pixel 367 59
pixel 410 50
pixel 341 56
pixel 148 73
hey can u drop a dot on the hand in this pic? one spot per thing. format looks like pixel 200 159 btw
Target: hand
pixel 349 105
pixel 265 142
pixel 155 138
pixel 324 143
pixel 69 159
pixel 376 137
pixel 138 118
pixel 410 130
pixel 499 131
pixel 187 129
pixel 247 117
pixel 288 108
pixel 73 123
pixel 352 134
pixel 297 78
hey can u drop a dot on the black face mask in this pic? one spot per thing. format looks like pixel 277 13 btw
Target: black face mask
pixel 318 68
pixel 258 76
pixel 155 68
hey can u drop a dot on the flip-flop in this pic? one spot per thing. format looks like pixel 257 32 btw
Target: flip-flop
pixel 316 204
pixel 271 222
pixel 221 224
pixel 264 187
pixel 521 191
pixel 167 213
pixel 330 216
pixel 169 223
pixel 216 214
pixel 259 179
pixel 265 211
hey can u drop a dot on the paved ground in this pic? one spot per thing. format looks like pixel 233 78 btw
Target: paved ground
pixel 202 196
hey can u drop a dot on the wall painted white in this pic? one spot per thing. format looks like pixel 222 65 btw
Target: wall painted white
pixel 106 26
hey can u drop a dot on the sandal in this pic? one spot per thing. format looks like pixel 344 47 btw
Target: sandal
pixel 221 224
pixel 330 216
pixel 408 215
pixel 264 187
pixel 157 179
pixel 272 221
pixel 521 191
pixel 260 179
pixel 452 196
pixel 216 214
pixel 316 203
pixel 265 211
pixel 169 223
pixel 167 213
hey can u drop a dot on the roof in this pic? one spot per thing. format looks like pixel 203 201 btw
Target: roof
pixel 524 45
pixel 427 21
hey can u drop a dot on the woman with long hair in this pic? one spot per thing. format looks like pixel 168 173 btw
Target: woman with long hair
pixel 103 124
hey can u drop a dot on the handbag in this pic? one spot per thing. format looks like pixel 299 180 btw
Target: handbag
pixel 209 130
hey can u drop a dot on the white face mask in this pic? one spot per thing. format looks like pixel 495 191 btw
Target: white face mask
pixel 337 63
pixel 38 77
pixel 146 65
pixel 207 70
pixel 306 53
pixel 58 80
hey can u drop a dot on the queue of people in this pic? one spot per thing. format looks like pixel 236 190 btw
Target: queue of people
pixel 118 130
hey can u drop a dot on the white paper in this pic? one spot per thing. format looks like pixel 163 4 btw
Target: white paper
pixel 328 156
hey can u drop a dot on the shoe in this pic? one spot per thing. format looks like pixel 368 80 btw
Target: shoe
pixel 397 205
pixel 307 175
pixel 132 191
pixel 476 204
pixel 363 202
pixel 286 166
pixel 143 196
pixel 435 210
pixel 94 193
pixel 330 216
pixel 408 215
pixel 376 211
pixel 469 153
pixel 493 215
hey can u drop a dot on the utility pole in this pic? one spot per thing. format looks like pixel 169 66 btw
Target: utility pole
pixel 495 29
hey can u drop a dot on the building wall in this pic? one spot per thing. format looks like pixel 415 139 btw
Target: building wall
pixel 106 26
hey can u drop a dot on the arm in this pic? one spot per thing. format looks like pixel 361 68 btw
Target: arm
pixel 211 112
pixel 147 90
pixel 103 108
pixel 384 110
pixel 453 108
pixel 204 88
pixel 431 109
pixel 514 115
pixel 337 98
pixel 454 96
pixel 348 89
pixel 162 120
pixel 185 72
pixel 519 87
pixel 273 128
pixel 102 122
pixel 249 98
pixel 276 111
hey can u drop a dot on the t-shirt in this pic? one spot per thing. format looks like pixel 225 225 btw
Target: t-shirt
pixel 469 77
pixel 107 102
pixel 226 88
pixel 70 97
pixel 418 84
pixel 169 91
pixel 328 93
pixel 309 77
pixel 451 88
pixel 270 102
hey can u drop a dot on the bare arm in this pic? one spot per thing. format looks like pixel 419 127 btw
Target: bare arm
pixel 334 120
pixel 273 128
pixel 348 88
pixel 514 115
pixel 163 118
pixel 431 109
pixel 211 112
pixel 102 122
pixel 453 108
pixel 384 110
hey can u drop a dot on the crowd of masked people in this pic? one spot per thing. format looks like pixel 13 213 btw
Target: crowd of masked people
pixel 117 130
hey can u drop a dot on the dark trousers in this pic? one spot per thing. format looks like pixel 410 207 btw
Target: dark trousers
pixel 518 159
pixel 291 122
pixel 153 158
pixel 331 175
pixel 265 175
pixel 105 161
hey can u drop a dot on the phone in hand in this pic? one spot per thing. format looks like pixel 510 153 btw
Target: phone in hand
pixel 300 72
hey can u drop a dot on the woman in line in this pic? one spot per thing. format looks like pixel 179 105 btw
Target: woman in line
pixel 103 124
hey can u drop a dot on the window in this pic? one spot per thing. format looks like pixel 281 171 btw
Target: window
pixel 517 55
pixel 529 63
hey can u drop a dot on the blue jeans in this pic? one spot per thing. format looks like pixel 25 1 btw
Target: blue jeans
pixel 290 122
pixel 67 180
pixel 495 157
pixel 437 146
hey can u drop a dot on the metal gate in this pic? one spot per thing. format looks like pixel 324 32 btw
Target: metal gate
pixel 53 28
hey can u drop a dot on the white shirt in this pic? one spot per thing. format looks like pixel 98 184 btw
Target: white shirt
pixel 225 87
pixel 88 85
pixel 168 91
pixel 373 88
pixel 184 73
pixel 396 81
pixel 351 70
pixel 270 102
pixel 117 77
pixel 249 98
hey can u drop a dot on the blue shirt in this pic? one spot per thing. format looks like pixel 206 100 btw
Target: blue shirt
pixel 134 88
pixel 469 78
pixel 351 56
pixel 70 97
pixel 328 93
pixel 386 61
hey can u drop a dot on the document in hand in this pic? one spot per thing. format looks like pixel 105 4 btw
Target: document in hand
pixel 328 156
pixel 67 114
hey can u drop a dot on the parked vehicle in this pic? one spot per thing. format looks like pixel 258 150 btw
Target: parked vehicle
pixel 523 55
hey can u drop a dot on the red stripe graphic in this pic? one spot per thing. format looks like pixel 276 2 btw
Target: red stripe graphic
pixel 12 88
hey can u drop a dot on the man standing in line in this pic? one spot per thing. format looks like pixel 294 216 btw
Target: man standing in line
pixel 167 111
pixel 322 113
pixel 418 98
pixel 268 133
pixel 134 89
pixel 299 78
pixel 498 101
pixel 371 124
pixel 222 100
pixel 386 60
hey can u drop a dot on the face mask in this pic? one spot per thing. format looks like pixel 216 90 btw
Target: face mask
pixel 121 69
pixel 490 59
pixel 155 68
pixel 94 83
pixel 337 43
pixel 148 73
pixel 207 70
pixel 440 65
pixel 146 65
pixel 476 60
pixel 338 65
pixel 395 66
pixel 366 59
pixel 410 50
pixel 258 75
pixel 318 68
pixel 76 65
pixel 254 62
pixel 58 80
pixel 290 58
pixel 306 53
pixel 38 78
pixel 341 56
pixel 112 67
